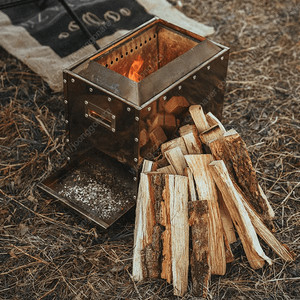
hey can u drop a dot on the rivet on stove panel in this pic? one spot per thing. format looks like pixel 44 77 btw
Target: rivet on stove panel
pixel 208 67
pixel 108 99
pixel 136 140
pixel 195 77
pixel 113 130
pixel 137 118
pixel 66 121
pixel 135 178
pixel 134 197
pixel 128 109
pixel 67 140
pixel 72 80
pixel 86 102
pixel 66 101
pixel 164 97
pixel 179 87
pixel 136 160
pixel 68 158
pixel 91 90
pixel 149 108
pixel 113 117
pixel 86 115
pixel 222 57
pixel 65 80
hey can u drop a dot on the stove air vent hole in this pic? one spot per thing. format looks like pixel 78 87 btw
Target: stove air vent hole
pixel 131 50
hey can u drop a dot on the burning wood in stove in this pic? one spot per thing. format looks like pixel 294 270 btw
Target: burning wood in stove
pixel 205 191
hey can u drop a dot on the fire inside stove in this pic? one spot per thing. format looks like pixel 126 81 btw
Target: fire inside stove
pixel 147 52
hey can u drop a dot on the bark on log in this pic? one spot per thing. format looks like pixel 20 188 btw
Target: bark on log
pixel 207 190
pixel 246 176
pixel 199 118
pixel 199 261
pixel 239 215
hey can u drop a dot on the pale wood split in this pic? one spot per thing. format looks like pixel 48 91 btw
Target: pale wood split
pixel 199 118
pixel 207 190
pixel 239 215
pixel 176 159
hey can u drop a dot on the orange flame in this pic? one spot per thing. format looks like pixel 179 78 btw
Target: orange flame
pixel 135 68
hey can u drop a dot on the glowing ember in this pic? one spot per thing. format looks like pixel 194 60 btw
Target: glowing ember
pixel 135 69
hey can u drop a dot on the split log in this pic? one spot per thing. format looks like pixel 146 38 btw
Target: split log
pixel 178 142
pixel 178 187
pixel 207 190
pixel 228 252
pixel 166 268
pixel 176 105
pixel 226 221
pixel 158 136
pixel 160 163
pixel 199 261
pixel 142 227
pixel 188 129
pixel 211 134
pixel 239 215
pixel 147 166
pixel 176 159
pixel 192 143
pixel 263 231
pixel 192 190
pixel 212 120
pixel 245 175
pixel 199 118
pixel 166 170
pixel 166 121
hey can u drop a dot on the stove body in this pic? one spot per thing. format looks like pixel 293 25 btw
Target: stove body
pixel 117 97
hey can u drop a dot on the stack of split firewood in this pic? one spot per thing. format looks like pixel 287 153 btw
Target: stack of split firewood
pixel 192 203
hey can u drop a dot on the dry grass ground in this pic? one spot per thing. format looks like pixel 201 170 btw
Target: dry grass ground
pixel 48 252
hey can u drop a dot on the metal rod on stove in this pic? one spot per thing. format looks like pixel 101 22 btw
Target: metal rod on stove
pixel 79 23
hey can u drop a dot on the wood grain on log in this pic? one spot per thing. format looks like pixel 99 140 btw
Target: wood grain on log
pixel 178 142
pixel 192 143
pixel 199 118
pixel 178 187
pixel 176 159
pixel 166 170
pixel 188 129
pixel 176 105
pixel 207 190
pixel 157 136
pixel 239 215
pixel 211 134
pixel 245 175
pixel 213 120
pixel 199 261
